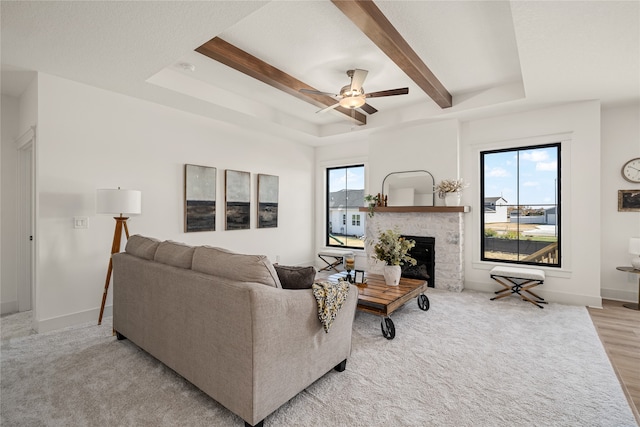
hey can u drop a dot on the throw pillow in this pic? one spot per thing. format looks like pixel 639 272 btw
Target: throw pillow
pixel 295 277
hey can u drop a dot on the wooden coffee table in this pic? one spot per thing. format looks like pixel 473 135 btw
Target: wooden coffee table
pixel 376 297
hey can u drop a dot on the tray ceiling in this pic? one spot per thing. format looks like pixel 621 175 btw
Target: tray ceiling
pixel 491 56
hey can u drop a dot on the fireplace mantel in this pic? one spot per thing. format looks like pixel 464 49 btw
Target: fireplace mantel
pixel 409 209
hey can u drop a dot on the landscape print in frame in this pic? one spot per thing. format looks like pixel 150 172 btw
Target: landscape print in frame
pixel 238 200
pixel 267 201
pixel 628 200
pixel 199 198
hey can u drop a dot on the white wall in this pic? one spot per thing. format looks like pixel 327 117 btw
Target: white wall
pixel 90 138
pixel 578 281
pixel 28 108
pixel 445 148
pixel 8 215
pixel 433 147
pixel 620 142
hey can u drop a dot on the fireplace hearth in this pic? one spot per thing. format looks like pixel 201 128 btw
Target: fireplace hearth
pixel 425 255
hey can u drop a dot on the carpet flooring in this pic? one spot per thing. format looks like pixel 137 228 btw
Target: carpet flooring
pixel 467 361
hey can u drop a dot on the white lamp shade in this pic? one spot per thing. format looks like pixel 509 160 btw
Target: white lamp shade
pixel 634 245
pixel 110 201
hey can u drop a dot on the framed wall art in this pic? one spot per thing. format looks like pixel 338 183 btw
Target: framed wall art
pixel 628 200
pixel 199 198
pixel 237 200
pixel 267 201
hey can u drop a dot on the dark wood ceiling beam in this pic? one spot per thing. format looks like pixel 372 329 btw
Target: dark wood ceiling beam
pixel 372 22
pixel 230 55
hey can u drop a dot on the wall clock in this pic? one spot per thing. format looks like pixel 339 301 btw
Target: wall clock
pixel 631 170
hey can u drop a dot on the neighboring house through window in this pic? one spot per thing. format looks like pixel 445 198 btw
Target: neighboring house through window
pixel 345 195
pixel 520 192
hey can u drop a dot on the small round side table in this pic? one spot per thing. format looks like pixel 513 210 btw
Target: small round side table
pixel 632 306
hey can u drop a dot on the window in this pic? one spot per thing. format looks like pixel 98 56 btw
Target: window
pixel 520 192
pixel 345 195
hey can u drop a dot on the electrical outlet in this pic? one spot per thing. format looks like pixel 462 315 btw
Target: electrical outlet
pixel 80 222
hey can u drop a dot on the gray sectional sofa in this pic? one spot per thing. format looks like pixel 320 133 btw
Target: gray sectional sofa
pixel 223 321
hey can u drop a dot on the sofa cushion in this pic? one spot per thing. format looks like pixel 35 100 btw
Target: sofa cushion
pixel 295 277
pixel 142 247
pixel 175 254
pixel 234 266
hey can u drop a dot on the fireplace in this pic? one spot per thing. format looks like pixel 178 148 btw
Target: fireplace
pixel 445 226
pixel 425 255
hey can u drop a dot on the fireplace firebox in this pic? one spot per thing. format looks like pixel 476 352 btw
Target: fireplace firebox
pixel 425 255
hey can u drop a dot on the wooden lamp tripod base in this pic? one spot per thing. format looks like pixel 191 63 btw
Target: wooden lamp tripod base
pixel 121 222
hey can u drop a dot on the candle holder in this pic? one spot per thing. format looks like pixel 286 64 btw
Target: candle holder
pixel 349 264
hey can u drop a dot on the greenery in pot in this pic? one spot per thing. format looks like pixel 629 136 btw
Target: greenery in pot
pixel 372 201
pixel 450 186
pixel 392 248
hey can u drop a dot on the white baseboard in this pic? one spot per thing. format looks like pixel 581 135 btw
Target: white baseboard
pixel 73 319
pixel 625 295
pixel 550 296
pixel 8 307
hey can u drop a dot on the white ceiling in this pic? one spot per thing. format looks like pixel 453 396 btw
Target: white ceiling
pixel 492 56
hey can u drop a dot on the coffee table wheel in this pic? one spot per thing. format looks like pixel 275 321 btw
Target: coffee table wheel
pixel 388 329
pixel 423 302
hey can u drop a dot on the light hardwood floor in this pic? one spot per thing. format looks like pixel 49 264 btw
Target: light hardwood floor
pixel 619 331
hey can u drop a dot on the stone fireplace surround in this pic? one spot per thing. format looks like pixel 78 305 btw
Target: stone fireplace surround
pixel 447 227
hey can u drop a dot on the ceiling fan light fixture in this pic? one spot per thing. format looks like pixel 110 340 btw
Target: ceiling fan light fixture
pixel 352 101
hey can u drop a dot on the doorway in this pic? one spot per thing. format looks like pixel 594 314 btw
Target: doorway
pixel 26 221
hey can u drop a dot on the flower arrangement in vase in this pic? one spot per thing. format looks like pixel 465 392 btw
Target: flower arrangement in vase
pixel 449 190
pixel 393 249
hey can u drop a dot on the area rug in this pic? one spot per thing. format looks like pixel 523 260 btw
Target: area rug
pixel 467 361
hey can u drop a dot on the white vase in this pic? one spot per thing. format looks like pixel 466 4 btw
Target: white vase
pixel 452 199
pixel 391 274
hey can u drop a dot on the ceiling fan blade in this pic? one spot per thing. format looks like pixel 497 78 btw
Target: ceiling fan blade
pixel 316 92
pixel 358 79
pixel 368 109
pixel 390 92
pixel 330 107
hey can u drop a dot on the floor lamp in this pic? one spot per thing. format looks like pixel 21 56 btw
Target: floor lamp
pixel 123 202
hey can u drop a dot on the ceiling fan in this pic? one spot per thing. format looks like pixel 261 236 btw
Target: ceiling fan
pixel 353 95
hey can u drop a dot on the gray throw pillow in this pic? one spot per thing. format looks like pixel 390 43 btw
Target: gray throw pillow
pixel 295 277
